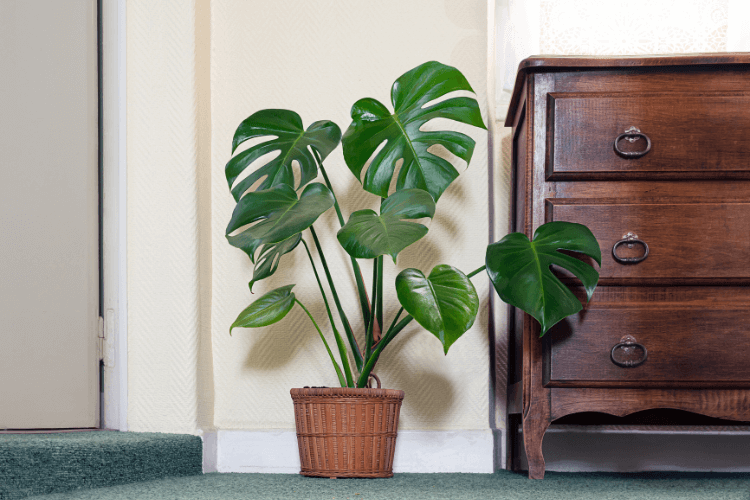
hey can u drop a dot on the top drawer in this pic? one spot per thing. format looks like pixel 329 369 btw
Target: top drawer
pixel 691 135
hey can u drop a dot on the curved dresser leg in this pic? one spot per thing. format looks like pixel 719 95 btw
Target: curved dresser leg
pixel 533 434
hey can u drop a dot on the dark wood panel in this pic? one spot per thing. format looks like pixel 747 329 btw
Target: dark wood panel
pixel 654 191
pixel 624 64
pixel 686 345
pixel 701 241
pixel 731 404
pixel 648 80
pixel 699 133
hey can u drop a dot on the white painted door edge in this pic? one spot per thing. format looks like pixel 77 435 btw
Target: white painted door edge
pixel 114 215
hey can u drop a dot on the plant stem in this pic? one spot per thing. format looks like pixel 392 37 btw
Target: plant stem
pixel 347 328
pixel 379 303
pixel 398 314
pixel 476 271
pixel 337 336
pixel 370 326
pixel 370 363
pixel 333 360
pixel 364 302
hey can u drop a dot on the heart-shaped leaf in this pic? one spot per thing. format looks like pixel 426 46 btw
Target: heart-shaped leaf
pixel 368 235
pixel 520 270
pixel 445 303
pixel 280 213
pixel 373 124
pixel 286 135
pixel 269 256
pixel 267 310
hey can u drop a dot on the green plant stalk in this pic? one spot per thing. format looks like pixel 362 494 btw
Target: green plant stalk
pixel 333 360
pixel 337 336
pixel 370 363
pixel 370 326
pixel 476 271
pixel 364 301
pixel 379 303
pixel 347 328
pixel 398 315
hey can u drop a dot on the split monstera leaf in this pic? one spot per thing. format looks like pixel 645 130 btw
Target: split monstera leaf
pixel 273 182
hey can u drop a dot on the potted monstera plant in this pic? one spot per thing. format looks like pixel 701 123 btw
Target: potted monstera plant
pixel 274 215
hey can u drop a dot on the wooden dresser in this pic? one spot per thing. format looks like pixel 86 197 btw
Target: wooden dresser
pixel 653 155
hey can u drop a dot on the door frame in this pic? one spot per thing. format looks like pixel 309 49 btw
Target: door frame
pixel 114 408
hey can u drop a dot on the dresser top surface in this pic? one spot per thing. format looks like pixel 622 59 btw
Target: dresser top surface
pixel 550 63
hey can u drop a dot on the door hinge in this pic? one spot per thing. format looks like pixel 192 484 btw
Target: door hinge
pixel 100 339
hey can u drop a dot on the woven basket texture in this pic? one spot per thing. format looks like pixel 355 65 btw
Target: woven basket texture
pixel 346 432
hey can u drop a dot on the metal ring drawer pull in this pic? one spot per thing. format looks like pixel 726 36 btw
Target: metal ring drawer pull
pixel 626 349
pixel 631 135
pixel 630 239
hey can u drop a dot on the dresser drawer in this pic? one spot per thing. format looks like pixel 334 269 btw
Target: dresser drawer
pixel 690 334
pixel 691 241
pixel 691 135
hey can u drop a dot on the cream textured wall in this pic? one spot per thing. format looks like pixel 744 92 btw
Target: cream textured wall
pixel 169 375
pixel 318 58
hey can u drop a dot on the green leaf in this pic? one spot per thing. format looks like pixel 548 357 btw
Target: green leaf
pixel 445 303
pixel 373 124
pixel 520 270
pixel 277 214
pixel 285 134
pixel 267 310
pixel 368 235
pixel 269 256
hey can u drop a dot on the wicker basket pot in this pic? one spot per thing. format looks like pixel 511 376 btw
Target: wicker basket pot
pixel 346 432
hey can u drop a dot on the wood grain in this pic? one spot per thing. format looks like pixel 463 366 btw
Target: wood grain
pixel 690 133
pixel 688 199
pixel 682 238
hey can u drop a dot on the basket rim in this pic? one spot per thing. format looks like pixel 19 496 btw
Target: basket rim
pixel 350 392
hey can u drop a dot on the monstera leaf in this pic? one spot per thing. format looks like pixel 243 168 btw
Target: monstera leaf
pixel 520 270
pixel 267 310
pixel 368 235
pixel 285 134
pixel 373 124
pixel 277 214
pixel 269 256
pixel 445 303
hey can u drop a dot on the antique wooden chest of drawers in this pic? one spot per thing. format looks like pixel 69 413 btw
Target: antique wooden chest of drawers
pixel 652 154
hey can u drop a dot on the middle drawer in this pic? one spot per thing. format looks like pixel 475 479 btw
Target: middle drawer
pixel 690 241
pixel 685 335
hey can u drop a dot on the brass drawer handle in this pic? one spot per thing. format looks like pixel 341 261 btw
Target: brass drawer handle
pixel 625 353
pixel 630 239
pixel 631 135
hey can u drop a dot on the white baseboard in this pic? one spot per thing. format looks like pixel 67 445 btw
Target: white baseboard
pixel 276 452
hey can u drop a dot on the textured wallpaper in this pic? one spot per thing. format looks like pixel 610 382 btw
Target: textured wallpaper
pixel 162 217
pixel 318 58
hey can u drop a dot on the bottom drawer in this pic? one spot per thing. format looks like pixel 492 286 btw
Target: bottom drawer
pixel 689 336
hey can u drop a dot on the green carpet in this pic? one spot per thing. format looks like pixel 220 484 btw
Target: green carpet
pixel 501 485
pixel 35 464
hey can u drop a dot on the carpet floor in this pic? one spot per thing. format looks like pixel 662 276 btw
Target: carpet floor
pixel 36 464
pixel 500 485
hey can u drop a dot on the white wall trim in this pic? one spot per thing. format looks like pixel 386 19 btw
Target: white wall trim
pixel 114 215
pixel 209 439
pixel 276 451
